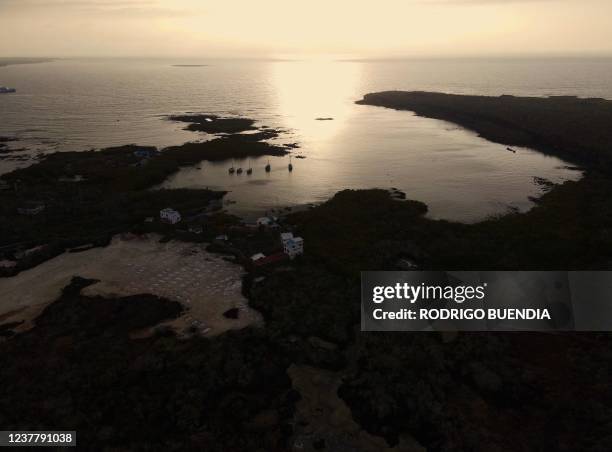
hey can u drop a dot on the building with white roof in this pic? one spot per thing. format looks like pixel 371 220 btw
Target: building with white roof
pixel 257 256
pixel 265 221
pixel 169 215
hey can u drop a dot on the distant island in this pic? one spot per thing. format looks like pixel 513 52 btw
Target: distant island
pixel 4 61
pixel 189 65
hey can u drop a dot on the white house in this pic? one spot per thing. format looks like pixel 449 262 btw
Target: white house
pixel 264 221
pixel 257 256
pixel 169 215
pixel 292 246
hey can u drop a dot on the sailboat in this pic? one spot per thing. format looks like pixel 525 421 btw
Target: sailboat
pixel 268 167
pixel 239 171
pixel 231 170
pixel 290 166
pixel 249 169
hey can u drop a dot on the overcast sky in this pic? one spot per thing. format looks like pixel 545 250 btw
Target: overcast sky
pixel 278 28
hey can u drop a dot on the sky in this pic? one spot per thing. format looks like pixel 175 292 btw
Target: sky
pixel 288 28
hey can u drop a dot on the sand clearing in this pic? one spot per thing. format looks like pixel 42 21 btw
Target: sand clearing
pixel 203 282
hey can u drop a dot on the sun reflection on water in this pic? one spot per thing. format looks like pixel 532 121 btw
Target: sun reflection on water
pixel 311 89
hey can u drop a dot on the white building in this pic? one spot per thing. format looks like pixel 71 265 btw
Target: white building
pixel 265 221
pixel 257 256
pixel 169 215
pixel 292 246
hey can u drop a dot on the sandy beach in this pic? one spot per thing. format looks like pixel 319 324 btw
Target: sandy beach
pixel 206 284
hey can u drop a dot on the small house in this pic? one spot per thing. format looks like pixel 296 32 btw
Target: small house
pixel 285 237
pixel 5 263
pixel 169 215
pixel 265 221
pixel 257 256
pixel 292 246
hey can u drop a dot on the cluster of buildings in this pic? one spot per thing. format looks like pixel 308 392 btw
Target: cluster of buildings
pixel 292 246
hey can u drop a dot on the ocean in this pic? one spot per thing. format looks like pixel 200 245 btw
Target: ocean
pixel 81 104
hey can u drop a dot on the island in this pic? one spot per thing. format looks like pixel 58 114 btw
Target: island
pixel 4 61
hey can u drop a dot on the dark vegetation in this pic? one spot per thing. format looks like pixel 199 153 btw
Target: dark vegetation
pixel 214 123
pixel 480 392
pixel 83 369
pixel 468 392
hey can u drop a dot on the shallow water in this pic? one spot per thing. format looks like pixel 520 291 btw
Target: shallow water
pixel 82 104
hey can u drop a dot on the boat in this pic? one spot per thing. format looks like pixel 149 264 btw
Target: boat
pixel 239 171
pixel 231 170
pixel 290 166
pixel 511 150
pixel 268 167
pixel 250 171
pixel 5 90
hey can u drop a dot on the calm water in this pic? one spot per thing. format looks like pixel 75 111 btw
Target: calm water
pixel 83 104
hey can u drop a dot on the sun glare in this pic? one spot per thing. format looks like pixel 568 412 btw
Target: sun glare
pixel 310 92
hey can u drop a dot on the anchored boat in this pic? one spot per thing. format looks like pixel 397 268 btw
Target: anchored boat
pixel 5 90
